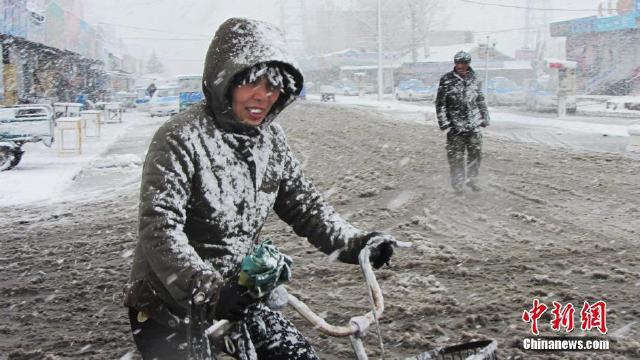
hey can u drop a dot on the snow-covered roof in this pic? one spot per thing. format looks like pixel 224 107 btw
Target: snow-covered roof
pixel 368 67
pixel 443 53
pixel 438 53
pixel 517 65
pixel 342 52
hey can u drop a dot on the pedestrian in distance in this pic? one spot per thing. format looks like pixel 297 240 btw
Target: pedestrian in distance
pixel 211 176
pixel 151 89
pixel 461 109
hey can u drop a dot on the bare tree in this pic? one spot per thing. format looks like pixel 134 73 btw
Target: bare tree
pixel 408 22
pixel 405 24
pixel 424 16
pixel 154 65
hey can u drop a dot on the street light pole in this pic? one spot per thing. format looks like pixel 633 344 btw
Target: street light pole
pixel 380 87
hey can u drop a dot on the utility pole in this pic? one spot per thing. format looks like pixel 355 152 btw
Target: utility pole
pixel 380 87
pixel 282 14
pixel 486 67
pixel 527 25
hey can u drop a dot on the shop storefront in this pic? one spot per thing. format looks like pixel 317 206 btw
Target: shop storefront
pixel 50 53
pixel 607 49
pixel 33 72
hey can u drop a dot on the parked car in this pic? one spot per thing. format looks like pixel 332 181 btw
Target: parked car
pixel 414 89
pixel 165 101
pixel 327 92
pixel 624 102
pixel 345 87
pixel 127 99
pixel 541 95
pixel 504 91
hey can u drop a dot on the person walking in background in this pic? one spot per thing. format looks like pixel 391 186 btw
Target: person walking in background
pixel 151 89
pixel 461 109
pixel 211 177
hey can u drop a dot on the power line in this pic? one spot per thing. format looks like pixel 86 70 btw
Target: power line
pixel 529 8
pixel 156 30
pixel 185 60
pixel 166 39
pixel 507 30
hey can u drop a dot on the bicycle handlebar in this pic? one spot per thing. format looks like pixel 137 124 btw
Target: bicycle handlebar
pixel 358 324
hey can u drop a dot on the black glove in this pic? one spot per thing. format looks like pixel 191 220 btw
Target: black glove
pixel 485 120
pixel 234 299
pixel 381 247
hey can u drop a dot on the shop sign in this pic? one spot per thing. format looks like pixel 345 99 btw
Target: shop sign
pixel 562 28
pixel 621 22
pixel 595 24
pixel 585 25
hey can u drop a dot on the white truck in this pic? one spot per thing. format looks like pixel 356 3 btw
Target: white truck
pixel 21 124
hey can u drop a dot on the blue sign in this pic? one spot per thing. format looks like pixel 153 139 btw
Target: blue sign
pixel 584 25
pixel 594 24
pixel 621 22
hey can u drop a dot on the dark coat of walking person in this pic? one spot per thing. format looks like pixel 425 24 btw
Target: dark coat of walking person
pixel 151 89
pixel 461 109
pixel 211 177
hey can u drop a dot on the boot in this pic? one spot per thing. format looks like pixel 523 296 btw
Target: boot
pixel 473 186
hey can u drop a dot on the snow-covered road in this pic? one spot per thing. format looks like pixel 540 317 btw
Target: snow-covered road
pixel 594 133
pixel 115 159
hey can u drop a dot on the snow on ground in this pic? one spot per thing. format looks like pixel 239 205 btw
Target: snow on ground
pixel 44 174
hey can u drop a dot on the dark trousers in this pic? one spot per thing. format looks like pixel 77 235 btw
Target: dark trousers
pixel 459 144
pixel 272 335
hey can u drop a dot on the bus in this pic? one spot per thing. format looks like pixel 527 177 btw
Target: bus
pixel 190 88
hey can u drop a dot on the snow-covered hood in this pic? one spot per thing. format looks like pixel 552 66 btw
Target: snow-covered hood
pixel 237 45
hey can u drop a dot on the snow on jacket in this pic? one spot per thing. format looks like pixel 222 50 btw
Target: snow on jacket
pixel 460 103
pixel 209 181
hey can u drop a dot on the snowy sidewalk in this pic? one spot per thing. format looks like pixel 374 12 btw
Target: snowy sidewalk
pixel 43 174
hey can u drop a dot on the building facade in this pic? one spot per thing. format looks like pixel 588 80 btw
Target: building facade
pixel 606 49
pixel 49 53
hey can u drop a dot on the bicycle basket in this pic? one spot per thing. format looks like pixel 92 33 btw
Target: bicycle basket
pixel 476 350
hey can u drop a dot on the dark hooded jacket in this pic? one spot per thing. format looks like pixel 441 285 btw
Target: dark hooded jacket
pixel 460 103
pixel 209 181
